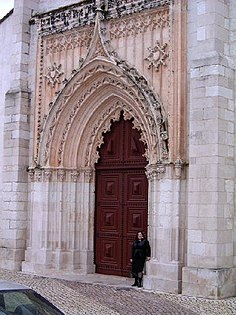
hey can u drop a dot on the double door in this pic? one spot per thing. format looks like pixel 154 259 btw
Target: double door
pixel 121 198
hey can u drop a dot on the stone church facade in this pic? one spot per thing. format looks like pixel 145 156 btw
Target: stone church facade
pixel 70 72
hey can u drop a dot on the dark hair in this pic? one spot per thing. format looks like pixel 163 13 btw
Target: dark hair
pixel 136 237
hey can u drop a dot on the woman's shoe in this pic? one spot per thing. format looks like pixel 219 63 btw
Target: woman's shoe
pixel 135 283
pixel 140 284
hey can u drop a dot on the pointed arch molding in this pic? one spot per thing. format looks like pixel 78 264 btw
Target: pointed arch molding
pixel 86 107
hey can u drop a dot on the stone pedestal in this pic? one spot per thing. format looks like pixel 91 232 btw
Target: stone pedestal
pixel 163 277
pixel 48 261
pixel 209 283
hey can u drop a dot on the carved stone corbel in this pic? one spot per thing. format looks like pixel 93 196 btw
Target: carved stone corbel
pixel 179 168
pixel 61 175
pixel 37 175
pixel 75 176
pixel 89 174
pixel 155 171
pixel 47 175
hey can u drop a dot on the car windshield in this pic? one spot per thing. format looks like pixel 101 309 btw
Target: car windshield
pixel 25 302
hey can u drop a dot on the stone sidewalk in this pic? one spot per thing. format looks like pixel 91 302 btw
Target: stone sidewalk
pixel 107 295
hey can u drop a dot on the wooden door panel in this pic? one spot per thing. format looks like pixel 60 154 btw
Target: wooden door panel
pixel 108 259
pixel 136 187
pixel 111 150
pixel 135 218
pixel 108 221
pixel 127 246
pixel 109 187
pixel 134 148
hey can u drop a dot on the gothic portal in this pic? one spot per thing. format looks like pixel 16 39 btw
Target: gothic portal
pixel 92 77
pixel 118 116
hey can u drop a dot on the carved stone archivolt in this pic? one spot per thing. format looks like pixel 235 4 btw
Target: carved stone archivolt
pixel 103 125
pixel 93 84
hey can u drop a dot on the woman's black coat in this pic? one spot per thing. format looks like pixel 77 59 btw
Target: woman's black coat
pixel 140 251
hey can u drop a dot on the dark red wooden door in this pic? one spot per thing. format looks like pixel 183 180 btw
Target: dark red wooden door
pixel 121 198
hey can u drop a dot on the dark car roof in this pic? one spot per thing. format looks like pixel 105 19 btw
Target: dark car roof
pixel 10 285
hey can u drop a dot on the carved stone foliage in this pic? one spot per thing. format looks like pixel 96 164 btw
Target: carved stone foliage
pixel 59 174
pixel 124 7
pixel 63 19
pixel 155 171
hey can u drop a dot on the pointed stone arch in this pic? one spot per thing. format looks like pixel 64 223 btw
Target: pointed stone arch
pixel 85 108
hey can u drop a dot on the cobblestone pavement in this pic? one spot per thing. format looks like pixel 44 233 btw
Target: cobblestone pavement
pixel 79 297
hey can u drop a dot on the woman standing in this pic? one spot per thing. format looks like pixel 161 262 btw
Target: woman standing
pixel 141 251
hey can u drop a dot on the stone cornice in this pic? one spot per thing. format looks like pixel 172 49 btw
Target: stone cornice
pixel 84 14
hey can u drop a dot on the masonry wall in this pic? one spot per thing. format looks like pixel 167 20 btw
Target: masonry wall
pixel 6 75
pixel 232 60
pixel 15 109
pixel 45 5
pixel 210 257
pixel 5 78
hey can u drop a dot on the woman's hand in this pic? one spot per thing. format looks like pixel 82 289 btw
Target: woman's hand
pixel 131 260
